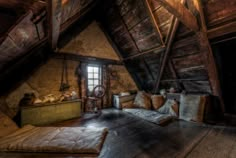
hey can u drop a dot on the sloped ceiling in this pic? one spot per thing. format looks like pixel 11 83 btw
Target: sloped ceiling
pixel 150 36
pixel 25 25
pixel 141 29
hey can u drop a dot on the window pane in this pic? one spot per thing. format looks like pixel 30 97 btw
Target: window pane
pixel 95 76
pixel 90 88
pixel 90 75
pixel 90 82
pixel 95 69
pixel 95 82
pixel 90 69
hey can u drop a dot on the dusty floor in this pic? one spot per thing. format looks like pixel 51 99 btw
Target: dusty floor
pixel 131 137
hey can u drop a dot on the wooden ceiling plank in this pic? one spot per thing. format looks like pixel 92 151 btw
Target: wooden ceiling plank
pixel 76 57
pixel 180 12
pixel 157 49
pixel 54 9
pixel 222 30
pixel 126 28
pixel 154 21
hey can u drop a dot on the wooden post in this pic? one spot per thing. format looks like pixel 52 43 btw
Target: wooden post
pixel 54 21
pixel 165 58
pixel 205 48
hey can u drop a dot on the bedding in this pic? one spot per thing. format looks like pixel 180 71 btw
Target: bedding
pixel 150 115
pixel 81 140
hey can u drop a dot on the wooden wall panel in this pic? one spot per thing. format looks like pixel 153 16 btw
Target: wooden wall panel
pixel 218 11
pixel 197 86
pixel 136 15
pixel 188 61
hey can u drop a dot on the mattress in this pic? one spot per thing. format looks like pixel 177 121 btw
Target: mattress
pixel 150 115
pixel 81 140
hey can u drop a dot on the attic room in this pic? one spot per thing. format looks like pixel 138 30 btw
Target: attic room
pixel 117 79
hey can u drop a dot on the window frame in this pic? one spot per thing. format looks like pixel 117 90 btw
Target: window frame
pixel 98 78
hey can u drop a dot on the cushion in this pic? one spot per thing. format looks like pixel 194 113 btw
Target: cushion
pixel 150 115
pixel 157 101
pixel 192 107
pixel 7 126
pixel 170 107
pixel 128 104
pixel 142 100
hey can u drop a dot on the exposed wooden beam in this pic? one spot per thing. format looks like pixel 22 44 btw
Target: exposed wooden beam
pixel 157 49
pixel 54 21
pixel 174 26
pixel 83 58
pixel 205 48
pixel 222 30
pixel 173 71
pixel 181 12
pixel 77 16
pixel 154 21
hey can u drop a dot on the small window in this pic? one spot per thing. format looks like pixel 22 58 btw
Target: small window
pixel 94 77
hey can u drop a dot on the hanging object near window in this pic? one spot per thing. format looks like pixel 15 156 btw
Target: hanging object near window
pixel 64 84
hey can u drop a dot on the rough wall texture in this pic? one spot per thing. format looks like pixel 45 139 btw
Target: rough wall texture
pixel 46 80
pixel 90 42
pixel 122 81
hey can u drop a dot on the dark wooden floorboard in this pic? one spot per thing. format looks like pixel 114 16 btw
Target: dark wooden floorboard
pixel 132 137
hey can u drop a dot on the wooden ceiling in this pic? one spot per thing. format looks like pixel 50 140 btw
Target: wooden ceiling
pixel 162 43
pixel 28 23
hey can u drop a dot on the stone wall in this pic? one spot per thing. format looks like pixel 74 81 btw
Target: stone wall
pixel 46 80
pixel 122 80
pixel 90 42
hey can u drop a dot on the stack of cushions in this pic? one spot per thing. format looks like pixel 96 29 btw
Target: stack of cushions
pixel 155 102
pixel 191 107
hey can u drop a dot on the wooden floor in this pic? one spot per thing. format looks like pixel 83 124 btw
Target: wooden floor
pixel 131 137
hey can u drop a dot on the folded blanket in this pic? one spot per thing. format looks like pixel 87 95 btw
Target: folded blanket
pixel 150 115
pixel 79 140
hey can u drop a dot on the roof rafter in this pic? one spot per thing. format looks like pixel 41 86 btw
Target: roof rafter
pixel 54 20
pixel 181 13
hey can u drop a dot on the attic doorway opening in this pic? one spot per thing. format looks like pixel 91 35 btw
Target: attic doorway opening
pixel 225 54
pixel 94 77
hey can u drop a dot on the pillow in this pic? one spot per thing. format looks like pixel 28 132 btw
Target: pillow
pixel 128 104
pixel 7 126
pixel 142 100
pixel 192 107
pixel 157 101
pixel 170 107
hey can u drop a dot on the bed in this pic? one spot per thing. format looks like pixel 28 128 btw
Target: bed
pixel 76 140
